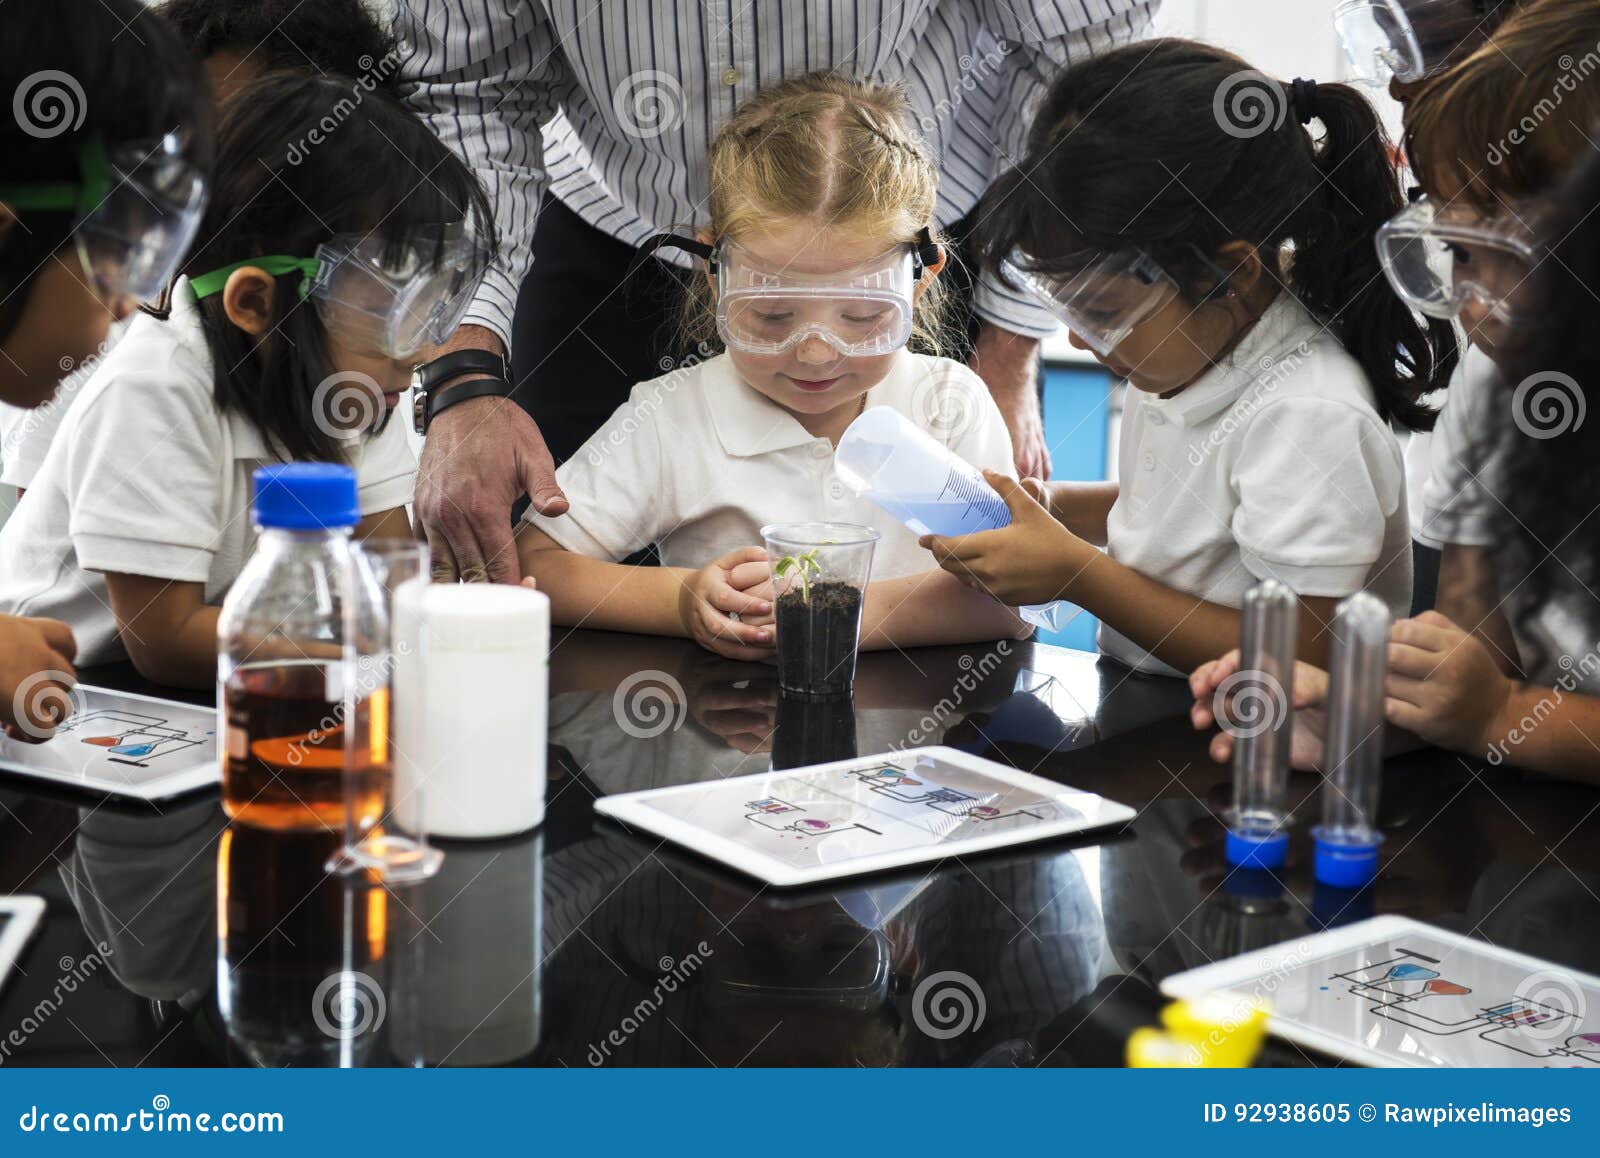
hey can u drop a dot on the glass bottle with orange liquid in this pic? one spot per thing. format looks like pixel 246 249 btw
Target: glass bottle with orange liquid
pixel 301 750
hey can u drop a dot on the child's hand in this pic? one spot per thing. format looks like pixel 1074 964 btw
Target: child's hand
pixel 1443 684
pixel 36 676
pixel 710 601
pixel 1308 697
pixel 1031 561
pixel 754 579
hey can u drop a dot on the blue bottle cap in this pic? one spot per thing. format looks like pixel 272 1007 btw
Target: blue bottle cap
pixel 1345 865
pixel 1248 850
pixel 306 496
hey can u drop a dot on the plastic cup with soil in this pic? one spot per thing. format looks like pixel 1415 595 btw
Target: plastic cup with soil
pixel 819 575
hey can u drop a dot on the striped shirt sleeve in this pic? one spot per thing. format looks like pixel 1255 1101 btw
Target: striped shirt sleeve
pixel 486 75
pixel 1040 41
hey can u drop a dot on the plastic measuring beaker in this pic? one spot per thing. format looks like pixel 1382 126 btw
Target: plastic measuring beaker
pixel 885 457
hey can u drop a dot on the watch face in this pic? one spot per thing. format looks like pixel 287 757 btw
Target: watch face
pixel 419 411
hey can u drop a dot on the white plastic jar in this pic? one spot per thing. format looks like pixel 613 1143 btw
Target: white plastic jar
pixel 471 703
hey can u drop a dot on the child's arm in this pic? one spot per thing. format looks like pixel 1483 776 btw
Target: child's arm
pixel 1081 507
pixel 1037 560
pixel 170 632
pixel 1447 687
pixel 933 608
pixel 587 592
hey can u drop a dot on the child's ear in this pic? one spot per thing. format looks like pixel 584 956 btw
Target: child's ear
pixel 247 299
pixel 1241 261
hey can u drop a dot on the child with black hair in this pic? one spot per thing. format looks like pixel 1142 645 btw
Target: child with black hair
pixel 311 289
pixel 102 180
pixel 238 41
pixel 1198 236
pixel 1507 667
pixel 241 40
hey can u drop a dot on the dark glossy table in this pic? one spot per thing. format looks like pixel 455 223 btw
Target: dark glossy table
pixel 582 944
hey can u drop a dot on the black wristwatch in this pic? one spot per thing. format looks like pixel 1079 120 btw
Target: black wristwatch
pixel 433 398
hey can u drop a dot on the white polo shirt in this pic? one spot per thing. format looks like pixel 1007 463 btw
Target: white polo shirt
pixel 148 477
pixel 697 462
pixel 1273 464
pixel 1558 644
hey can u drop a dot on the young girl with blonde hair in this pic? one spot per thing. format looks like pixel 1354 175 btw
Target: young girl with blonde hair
pixel 819 265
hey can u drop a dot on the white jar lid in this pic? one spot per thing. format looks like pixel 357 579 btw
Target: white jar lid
pixel 482 617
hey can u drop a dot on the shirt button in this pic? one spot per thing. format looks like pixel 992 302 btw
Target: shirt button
pixel 821 449
pixel 730 76
pixel 1157 418
pixel 836 489
pixel 1149 461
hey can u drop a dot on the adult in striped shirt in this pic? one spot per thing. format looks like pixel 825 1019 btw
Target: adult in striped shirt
pixel 589 123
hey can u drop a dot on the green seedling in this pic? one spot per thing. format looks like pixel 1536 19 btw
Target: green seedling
pixel 803 567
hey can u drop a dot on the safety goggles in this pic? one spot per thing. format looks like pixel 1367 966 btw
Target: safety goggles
pixel 376 299
pixel 1409 39
pixel 1104 301
pixel 135 212
pixel 768 309
pixel 1438 265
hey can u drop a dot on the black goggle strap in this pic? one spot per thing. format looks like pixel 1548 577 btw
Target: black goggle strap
pixel 692 245
pixel 925 252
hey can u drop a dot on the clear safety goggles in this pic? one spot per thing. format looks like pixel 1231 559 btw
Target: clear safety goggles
pixel 1103 302
pixel 1409 39
pixel 375 300
pixel 1438 265
pixel 766 309
pixel 136 211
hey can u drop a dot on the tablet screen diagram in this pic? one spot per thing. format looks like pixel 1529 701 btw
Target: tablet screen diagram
pixel 1430 1002
pixel 888 804
pixel 123 744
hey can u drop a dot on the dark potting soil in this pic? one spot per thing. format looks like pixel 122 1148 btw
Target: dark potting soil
pixel 817 638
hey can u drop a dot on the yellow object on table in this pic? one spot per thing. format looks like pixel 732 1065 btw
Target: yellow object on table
pixel 1218 1031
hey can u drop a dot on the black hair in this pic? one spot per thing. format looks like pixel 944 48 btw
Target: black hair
pixel 339 36
pixel 1177 148
pixel 77 69
pixel 285 183
pixel 1542 459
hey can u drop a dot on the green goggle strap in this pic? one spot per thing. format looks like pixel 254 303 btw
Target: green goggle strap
pixel 308 267
pixel 81 197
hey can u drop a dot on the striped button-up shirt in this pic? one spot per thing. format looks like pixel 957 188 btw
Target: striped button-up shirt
pixel 611 106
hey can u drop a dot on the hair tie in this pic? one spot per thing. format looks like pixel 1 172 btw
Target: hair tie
pixel 1303 96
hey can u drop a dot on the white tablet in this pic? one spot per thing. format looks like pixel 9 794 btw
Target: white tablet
pixel 1391 991
pixel 805 825
pixel 123 745
pixel 19 917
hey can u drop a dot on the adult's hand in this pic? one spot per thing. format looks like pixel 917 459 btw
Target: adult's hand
pixel 1008 363
pixel 479 458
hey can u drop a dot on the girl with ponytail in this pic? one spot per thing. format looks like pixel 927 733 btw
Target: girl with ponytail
pixel 1206 232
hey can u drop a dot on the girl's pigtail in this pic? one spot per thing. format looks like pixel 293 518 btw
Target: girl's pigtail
pixel 1336 271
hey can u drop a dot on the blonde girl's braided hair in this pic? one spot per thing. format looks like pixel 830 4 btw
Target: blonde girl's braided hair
pixel 828 149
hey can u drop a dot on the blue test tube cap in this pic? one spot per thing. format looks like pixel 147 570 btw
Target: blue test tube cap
pixel 306 496
pixel 1343 864
pixel 1248 850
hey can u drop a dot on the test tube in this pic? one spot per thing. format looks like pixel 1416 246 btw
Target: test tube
pixel 1260 721
pixel 1352 758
